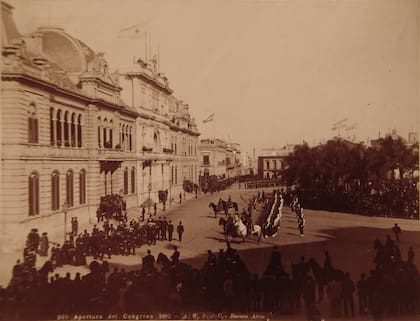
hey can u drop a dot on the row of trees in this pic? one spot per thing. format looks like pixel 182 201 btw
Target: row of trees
pixel 359 178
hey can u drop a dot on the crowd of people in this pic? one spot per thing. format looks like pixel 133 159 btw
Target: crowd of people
pixel 397 198
pixel 112 206
pixel 223 284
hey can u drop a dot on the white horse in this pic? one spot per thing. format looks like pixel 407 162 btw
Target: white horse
pixel 257 230
pixel 241 229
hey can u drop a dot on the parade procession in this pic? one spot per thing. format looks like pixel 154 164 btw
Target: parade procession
pixel 239 160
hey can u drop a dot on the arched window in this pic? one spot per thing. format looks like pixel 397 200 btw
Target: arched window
pixel 52 127
pixel 126 181
pixel 156 142
pixel 130 140
pixel 69 188
pixel 79 131
pixel 73 130
pixel 32 125
pixel 105 138
pixel 99 132
pixel 66 129
pixel 58 128
pixel 82 187
pixel 110 143
pixel 133 180
pixel 33 193
pixel 55 191
pixel 123 137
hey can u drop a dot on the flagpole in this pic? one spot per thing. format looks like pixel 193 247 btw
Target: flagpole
pixel 150 41
pixel 158 58
pixel 145 45
pixel 214 128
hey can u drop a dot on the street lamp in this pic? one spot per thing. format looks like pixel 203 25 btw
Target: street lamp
pixel 149 188
pixel 65 209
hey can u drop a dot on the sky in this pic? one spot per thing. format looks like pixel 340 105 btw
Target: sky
pixel 273 72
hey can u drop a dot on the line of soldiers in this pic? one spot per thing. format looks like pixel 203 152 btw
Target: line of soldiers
pixel 296 207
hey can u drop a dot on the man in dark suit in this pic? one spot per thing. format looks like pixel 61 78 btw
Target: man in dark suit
pixel 180 230
pixel 148 261
pixel 170 230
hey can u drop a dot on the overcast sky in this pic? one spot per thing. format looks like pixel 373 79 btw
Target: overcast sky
pixel 273 72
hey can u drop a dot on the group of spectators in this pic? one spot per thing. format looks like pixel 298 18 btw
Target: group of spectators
pixel 112 206
pixel 223 285
pixel 396 198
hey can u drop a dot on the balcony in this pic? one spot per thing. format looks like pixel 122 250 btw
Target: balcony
pixel 114 154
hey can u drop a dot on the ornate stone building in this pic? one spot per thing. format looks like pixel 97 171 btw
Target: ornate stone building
pixel 68 138
pixel 217 157
pixel 167 136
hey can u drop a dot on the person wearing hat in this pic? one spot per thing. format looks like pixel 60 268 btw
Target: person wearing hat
pixel 44 245
pixel 170 230
pixel 180 230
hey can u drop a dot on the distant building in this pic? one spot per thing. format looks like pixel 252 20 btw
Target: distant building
pixel 271 161
pixel 217 157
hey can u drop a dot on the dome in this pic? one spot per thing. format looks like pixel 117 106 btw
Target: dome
pixel 69 53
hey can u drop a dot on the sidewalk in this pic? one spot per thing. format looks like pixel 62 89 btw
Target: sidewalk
pixel 8 259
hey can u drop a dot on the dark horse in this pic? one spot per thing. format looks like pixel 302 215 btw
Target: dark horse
pixel 223 206
pixel 323 275
pixel 228 228
pixel 220 208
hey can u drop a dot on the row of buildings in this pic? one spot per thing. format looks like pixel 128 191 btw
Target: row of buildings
pixel 73 131
pixel 220 158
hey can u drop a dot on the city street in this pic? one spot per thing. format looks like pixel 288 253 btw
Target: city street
pixel 348 238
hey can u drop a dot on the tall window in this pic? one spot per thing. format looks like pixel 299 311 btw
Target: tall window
pixel 33 194
pixel 55 191
pixel 52 124
pixel 32 125
pixel 172 175
pixel 126 181
pixel 267 164
pixel 130 140
pixel 66 129
pixel 206 160
pixel 73 130
pixel 79 131
pixel 176 174
pixel 133 180
pixel 99 132
pixel 82 187
pixel 69 188
pixel 58 128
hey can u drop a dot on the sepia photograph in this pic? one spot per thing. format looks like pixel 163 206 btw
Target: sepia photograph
pixel 210 160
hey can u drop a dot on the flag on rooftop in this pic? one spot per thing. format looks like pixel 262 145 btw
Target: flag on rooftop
pixel 135 31
pixel 209 119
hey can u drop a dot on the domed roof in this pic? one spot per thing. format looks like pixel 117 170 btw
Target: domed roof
pixel 69 53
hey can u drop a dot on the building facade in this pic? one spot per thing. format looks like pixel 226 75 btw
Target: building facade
pixel 68 137
pixel 219 158
pixel 167 136
pixel 271 162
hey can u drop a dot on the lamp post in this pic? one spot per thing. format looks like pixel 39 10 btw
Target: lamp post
pixel 65 209
pixel 149 189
